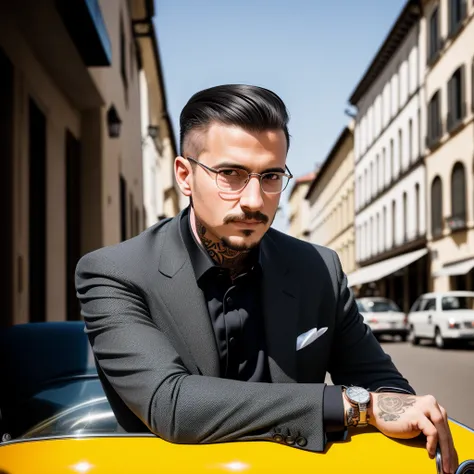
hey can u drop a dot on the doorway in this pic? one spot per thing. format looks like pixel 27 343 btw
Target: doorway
pixel 37 213
pixel 6 187
pixel 73 222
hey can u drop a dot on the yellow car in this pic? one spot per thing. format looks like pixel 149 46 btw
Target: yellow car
pixel 57 420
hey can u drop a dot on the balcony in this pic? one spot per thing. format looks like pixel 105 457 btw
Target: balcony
pixel 86 27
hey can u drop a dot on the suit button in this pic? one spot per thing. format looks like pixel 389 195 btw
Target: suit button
pixel 300 441
pixel 278 437
pixel 229 302
pixel 290 440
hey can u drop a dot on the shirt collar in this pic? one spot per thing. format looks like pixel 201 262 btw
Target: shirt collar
pixel 201 261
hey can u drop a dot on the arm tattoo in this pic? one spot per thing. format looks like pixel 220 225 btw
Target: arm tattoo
pixel 393 405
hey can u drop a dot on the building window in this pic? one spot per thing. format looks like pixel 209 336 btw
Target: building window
pixel 366 241
pixel 384 157
pixel 123 59
pixel 410 141
pixel 472 85
pixel 377 233
pixel 371 178
pixel 394 219
pixel 376 176
pixel 371 237
pixel 400 150
pixel 392 161
pixel 456 99
pixel 405 218
pixel 435 130
pixel 367 190
pixel 457 12
pixel 458 197
pixel 436 207
pixel 384 228
pixel 417 210
pixel 434 45
pixel 360 193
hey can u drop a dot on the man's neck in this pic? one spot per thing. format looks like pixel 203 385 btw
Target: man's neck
pixel 236 261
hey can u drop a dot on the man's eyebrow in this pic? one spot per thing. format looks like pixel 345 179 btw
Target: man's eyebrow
pixel 229 164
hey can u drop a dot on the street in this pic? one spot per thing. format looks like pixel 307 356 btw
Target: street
pixel 448 375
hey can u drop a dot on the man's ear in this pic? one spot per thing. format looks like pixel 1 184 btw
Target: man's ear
pixel 182 171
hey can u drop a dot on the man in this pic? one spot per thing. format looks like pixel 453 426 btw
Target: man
pixel 212 327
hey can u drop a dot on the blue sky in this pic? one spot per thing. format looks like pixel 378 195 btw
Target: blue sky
pixel 312 53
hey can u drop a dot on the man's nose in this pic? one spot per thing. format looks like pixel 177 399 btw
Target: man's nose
pixel 251 197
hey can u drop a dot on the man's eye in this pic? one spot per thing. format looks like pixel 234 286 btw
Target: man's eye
pixel 229 172
pixel 272 177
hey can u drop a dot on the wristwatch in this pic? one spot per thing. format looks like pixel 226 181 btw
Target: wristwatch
pixel 359 399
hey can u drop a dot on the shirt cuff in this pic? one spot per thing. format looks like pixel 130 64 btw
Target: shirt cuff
pixel 333 409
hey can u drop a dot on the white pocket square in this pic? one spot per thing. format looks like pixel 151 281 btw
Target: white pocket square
pixel 308 337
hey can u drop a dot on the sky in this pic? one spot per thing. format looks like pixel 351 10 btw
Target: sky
pixel 312 53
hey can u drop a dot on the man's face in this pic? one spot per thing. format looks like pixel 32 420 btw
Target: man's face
pixel 238 219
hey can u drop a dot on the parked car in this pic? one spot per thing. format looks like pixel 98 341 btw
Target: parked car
pixel 444 317
pixel 57 420
pixel 383 316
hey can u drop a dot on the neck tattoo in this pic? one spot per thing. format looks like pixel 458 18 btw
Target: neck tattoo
pixel 222 255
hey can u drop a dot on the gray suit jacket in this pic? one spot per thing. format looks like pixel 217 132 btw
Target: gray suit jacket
pixel 156 353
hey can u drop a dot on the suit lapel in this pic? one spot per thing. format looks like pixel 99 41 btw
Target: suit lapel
pixel 280 310
pixel 185 301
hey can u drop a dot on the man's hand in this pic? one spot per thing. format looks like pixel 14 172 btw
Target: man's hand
pixel 406 416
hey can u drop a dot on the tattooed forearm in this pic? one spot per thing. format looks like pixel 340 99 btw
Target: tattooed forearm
pixel 393 405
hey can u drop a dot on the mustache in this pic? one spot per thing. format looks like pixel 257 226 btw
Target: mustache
pixel 247 216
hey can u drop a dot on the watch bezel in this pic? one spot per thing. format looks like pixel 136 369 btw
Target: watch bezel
pixel 350 397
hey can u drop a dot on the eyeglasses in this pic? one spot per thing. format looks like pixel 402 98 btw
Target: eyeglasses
pixel 234 180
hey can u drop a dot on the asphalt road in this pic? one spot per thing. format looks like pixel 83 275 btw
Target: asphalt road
pixel 446 374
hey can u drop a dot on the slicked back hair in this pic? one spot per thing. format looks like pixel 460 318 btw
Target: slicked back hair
pixel 251 108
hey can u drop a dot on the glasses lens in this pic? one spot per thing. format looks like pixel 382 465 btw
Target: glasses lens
pixel 273 183
pixel 232 180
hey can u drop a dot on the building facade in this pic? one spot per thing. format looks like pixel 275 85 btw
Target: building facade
pixel 299 207
pixel 449 82
pixel 71 145
pixel 389 166
pixel 160 189
pixel 331 201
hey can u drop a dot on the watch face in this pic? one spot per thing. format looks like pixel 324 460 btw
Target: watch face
pixel 358 394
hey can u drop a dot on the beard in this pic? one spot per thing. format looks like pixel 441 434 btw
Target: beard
pixel 239 247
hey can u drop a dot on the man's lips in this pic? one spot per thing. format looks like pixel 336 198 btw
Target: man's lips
pixel 248 222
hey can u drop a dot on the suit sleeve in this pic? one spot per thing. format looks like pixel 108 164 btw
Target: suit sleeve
pixel 357 358
pixel 147 374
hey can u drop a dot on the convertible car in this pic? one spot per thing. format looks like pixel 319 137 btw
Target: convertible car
pixel 56 419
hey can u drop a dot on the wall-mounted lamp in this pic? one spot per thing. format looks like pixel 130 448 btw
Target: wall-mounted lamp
pixel 114 123
pixel 153 131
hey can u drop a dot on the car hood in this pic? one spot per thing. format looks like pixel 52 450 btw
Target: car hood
pixel 125 454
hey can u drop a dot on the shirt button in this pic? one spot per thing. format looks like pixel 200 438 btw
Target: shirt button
pixel 229 301
pixel 301 441
pixel 231 341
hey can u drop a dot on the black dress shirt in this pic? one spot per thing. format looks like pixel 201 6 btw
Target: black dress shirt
pixel 235 309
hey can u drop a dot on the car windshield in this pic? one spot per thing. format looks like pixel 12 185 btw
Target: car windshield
pixel 377 306
pixel 453 303
pixel 72 407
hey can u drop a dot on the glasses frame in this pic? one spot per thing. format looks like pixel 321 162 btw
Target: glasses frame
pixel 260 176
